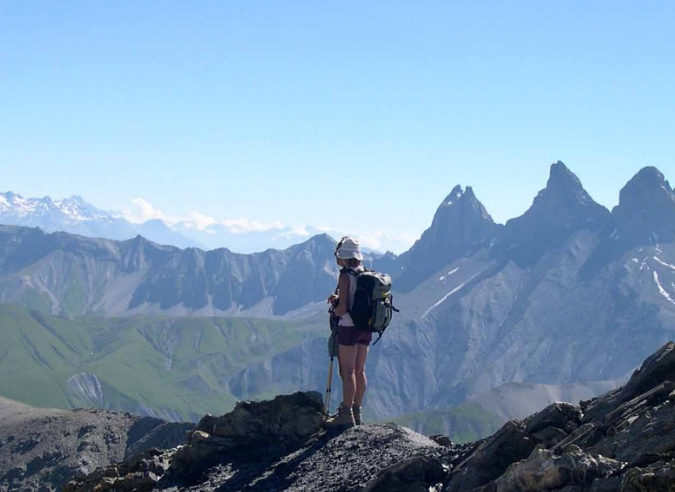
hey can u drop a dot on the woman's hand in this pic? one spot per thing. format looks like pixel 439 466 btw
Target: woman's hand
pixel 332 299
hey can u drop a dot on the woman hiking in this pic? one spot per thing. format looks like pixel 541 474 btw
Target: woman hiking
pixel 352 343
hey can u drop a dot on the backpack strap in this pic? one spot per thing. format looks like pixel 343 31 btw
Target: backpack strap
pixel 354 272
pixel 337 287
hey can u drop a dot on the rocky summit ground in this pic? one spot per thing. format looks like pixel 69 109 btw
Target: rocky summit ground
pixel 41 449
pixel 623 440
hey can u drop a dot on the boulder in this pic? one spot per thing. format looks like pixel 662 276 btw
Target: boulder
pixel 414 475
pixel 544 470
pixel 658 477
pixel 511 443
pixel 287 419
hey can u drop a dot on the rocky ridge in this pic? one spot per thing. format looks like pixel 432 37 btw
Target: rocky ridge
pixel 623 440
pixel 63 274
pixel 42 448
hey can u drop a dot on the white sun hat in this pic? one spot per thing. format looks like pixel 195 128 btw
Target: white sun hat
pixel 348 247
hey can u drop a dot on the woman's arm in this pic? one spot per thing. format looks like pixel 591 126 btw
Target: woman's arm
pixel 343 293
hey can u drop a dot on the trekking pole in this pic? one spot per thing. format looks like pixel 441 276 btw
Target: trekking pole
pixel 329 384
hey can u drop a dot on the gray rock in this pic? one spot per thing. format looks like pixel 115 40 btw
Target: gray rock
pixel 658 477
pixel 510 444
pixel 47 447
pixel 414 475
pixel 544 470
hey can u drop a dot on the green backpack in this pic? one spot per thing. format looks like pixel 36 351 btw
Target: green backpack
pixel 373 305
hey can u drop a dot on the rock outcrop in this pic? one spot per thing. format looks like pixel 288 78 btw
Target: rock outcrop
pixel 42 448
pixel 281 445
pixel 623 440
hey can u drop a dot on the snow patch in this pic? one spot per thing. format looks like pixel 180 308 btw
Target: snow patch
pixel 451 272
pixel 457 196
pixel 663 291
pixel 456 289
pixel 667 265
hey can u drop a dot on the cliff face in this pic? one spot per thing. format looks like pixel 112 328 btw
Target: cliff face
pixel 623 440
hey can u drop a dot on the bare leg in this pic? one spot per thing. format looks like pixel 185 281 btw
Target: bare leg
pixel 347 372
pixel 360 373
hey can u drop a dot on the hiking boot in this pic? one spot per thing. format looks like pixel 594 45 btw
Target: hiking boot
pixel 356 411
pixel 344 418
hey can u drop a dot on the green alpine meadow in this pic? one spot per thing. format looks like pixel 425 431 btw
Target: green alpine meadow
pixel 176 368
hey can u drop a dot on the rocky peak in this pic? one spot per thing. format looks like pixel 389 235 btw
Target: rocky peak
pixel 564 184
pixel 460 222
pixel 454 195
pixel 646 210
pixel 322 242
pixel 460 206
pixel 563 204
pixel 75 208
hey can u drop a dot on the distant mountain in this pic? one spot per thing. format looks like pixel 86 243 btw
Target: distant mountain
pixel 71 275
pixel 646 210
pixel 76 216
pixel 559 210
pixel 460 224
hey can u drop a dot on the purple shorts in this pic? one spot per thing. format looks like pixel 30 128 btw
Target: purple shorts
pixel 348 335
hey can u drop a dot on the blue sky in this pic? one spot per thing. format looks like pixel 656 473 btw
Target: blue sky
pixel 356 116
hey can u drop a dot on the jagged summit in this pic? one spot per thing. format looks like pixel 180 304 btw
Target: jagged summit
pixel 459 222
pixel 564 189
pixel 646 210
pixel 564 184
pixel 460 206
pixel 454 195
pixel 564 203
pixel 463 198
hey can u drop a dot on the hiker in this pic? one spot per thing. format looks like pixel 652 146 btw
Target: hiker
pixel 352 343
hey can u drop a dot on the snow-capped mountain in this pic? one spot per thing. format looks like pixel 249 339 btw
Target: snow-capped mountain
pixel 76 216
pixel 71 210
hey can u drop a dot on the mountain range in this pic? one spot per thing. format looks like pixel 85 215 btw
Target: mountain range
pixel 568 295
pixel 76 216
